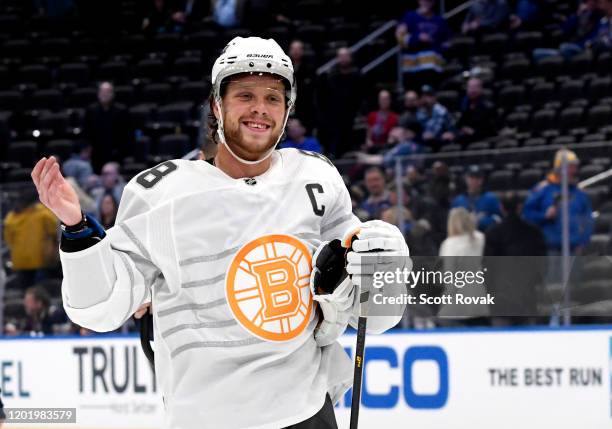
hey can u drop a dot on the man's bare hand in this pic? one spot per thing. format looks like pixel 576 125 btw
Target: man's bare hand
pixel 55 192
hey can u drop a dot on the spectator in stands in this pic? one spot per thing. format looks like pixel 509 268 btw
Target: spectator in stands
pixel 529 15
pixel 417 180
pixel 79 164
pixel 340 96
pixel 296 137
pixel 31 234
pixel 421 239
pixel 305 79
pixel 439 188
pixel 484 205
pixel 107 128
pixel 378 198
pixel 380 122
pixel 437 122
pixel 41 316
pixel 158 18
pixel 463 237
pixel 402 143
pixel 486 16
pixel 478 116
pixel 108 210
pixel 420 208
pixel 543 207
pixel 408 118
pixel 407 202
pixel 187 14
pixel 514 281
pixel 228 13
pixel 390 215
pixel 602 42
pixel 423 35
pixel 460 251
pixel 111 183
pixel 579 31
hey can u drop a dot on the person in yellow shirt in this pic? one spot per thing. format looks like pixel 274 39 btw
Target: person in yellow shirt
pixel 31 234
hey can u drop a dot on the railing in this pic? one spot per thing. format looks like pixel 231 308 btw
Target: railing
pixel 396 50
pixel 595 179
pixel 360 44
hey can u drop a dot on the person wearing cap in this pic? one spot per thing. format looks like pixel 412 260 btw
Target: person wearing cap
pixel 543 206
pixel 239 257
pixel 484 205
pixel 437 122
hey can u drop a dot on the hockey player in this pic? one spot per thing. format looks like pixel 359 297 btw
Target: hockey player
pixel 245 336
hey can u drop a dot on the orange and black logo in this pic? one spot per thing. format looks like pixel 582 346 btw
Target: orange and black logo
pixel 267 287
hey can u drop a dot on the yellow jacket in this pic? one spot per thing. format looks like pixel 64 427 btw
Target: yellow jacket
pixel 31 236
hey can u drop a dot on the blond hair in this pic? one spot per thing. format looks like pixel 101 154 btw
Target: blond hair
pixel 460 222
pixel 390 215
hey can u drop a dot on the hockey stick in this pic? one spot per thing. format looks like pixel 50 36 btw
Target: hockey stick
pixel 359 358
pixel 145 334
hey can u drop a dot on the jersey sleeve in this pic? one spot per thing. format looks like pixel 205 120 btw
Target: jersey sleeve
pixel 104 284
pixel 340 218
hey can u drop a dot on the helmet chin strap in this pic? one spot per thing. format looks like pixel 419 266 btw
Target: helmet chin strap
pixel 221 135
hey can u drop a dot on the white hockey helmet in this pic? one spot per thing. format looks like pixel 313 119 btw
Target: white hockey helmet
pixel 252 55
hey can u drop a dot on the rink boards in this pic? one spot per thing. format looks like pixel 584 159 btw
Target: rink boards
pixel 530 378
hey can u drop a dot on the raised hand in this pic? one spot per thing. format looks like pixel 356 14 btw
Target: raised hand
pixel 55 192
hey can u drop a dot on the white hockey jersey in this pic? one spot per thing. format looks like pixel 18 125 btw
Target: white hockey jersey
pixel 226 263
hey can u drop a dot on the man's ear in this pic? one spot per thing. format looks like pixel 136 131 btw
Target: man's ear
pixel 214 109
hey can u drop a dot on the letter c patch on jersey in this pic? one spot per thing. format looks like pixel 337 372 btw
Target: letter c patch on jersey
pixel 267 287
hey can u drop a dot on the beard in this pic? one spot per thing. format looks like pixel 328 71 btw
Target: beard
pixel 246 145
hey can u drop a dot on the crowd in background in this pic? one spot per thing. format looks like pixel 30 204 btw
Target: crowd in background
pixel 443 213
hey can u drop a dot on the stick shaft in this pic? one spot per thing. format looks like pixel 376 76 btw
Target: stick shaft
pixel 145 334
pixel 358 373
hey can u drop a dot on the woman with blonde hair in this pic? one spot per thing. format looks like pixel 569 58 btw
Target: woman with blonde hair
pixel 463 237
pixel 462 252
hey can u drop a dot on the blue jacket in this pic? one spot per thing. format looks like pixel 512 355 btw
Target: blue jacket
pixel 486 207
pixel 436 27
pixel 309 143
pixel 547 194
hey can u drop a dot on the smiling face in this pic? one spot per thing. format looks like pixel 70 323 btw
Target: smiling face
pixel 253 114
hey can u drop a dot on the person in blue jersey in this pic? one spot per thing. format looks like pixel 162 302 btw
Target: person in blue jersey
pixel 484 205
pixel 543 207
